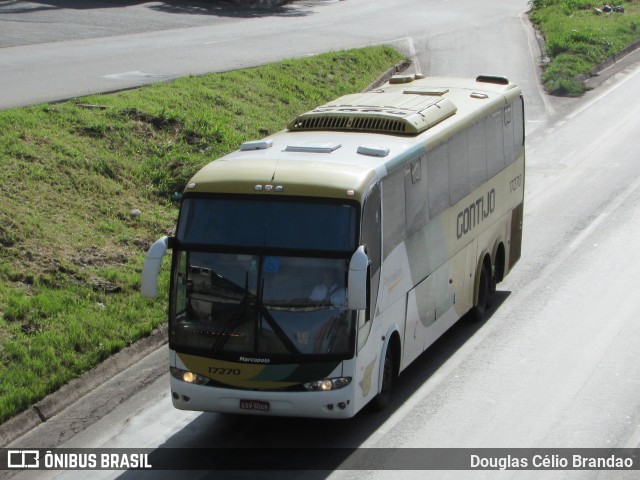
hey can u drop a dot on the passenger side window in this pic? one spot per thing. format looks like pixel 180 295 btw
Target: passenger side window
pixel 495 143
pixel 393 214
pixel 438 180
pixel 415 187
pixel 477 155
pixel 458 167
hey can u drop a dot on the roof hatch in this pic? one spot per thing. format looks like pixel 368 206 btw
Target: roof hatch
pixel 399 112
pixel 314 148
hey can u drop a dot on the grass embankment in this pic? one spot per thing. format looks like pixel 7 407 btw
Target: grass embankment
pixel 578 37
pixel 73 176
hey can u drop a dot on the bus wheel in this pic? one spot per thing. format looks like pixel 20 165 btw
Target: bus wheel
pixel 484 294
pixel 381 400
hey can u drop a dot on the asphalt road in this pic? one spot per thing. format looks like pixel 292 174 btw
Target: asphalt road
pixel 555 364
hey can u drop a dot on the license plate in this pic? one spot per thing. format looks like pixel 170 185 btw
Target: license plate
pixel 254 405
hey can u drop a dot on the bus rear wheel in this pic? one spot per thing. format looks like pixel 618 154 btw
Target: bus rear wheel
pixel 484 294
pixel 381 400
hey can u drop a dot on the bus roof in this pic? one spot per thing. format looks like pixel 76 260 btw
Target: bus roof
pixel 339 149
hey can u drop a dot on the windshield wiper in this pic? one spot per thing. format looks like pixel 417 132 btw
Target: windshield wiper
pixel 282 336
pixel 249 300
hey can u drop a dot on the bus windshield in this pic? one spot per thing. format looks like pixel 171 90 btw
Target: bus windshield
pixel 261 278
pixel 284 309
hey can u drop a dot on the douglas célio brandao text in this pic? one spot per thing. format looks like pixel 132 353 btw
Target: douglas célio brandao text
pixel 552 462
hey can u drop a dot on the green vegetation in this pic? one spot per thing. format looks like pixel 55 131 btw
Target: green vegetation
pixel 579 37
pixel 89 184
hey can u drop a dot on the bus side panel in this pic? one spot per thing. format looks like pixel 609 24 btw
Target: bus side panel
pixel 420 314
pixel 396 279
pixel 393 319
pixel 418 336
pixel 457 282
pixel 470 273
pixel 434 305
pixel 493 235
pixel 515 247
pixel 366 365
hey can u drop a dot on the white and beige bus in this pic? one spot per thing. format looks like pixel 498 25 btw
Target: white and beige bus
pixel 312 267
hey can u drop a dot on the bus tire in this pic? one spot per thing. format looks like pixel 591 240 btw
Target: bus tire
pixel 381 400
pixel 484 294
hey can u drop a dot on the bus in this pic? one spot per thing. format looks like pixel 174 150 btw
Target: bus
pixel 311 267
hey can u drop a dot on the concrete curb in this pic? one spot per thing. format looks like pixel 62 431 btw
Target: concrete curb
pixel 592 79
pixel 400 67
pixel 79 387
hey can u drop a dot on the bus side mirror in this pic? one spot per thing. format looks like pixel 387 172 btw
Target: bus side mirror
pixel 151 267
pixel 358 272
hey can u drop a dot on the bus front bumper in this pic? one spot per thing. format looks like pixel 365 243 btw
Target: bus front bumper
pixel 330 404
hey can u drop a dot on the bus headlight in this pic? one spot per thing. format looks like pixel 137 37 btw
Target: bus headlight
pixel 328 384
pixel 187 376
